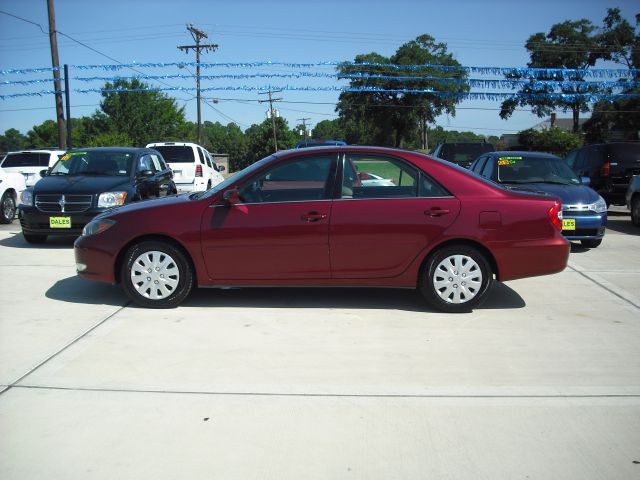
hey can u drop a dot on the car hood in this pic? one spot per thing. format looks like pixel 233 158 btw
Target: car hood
pixel 569 194
pixel 149 205
pixel 81 184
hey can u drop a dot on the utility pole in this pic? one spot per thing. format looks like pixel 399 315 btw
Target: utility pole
pixel 55 62
pixel 198 35
pixel 304 126
pixel 272 113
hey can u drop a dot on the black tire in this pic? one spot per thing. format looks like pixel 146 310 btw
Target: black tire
pixel 34 238
pixel 170 275
pixel 635 211
pixel 590 243
pixel 464 277
pixel 7 208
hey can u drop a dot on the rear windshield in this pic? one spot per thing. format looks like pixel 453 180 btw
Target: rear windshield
pixel 176 153
pixel 625 152
pixel 27 159
pixel 464 152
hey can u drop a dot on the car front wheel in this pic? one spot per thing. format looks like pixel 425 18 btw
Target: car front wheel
pixel 7 208
pixel 156 274
pixel 455 279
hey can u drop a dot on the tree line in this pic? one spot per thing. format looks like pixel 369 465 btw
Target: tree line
pixel 386 117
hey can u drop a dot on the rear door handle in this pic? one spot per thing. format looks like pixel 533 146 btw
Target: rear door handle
pixel 437 212
pixel 313 217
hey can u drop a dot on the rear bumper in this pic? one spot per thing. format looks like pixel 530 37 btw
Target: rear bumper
pixel 531 258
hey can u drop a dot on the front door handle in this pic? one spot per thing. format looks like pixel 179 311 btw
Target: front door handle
pixel 437 212
pixel 313 216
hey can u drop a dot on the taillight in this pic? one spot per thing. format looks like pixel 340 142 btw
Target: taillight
pixel 198 170
pixel 605 170
pixel 555 216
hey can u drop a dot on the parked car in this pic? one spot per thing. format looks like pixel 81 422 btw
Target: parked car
pixel 11 187
pixel 192 166
pixel 29 163
pixel 632 198
pixel 88 181
pixel 584 212
pixel 300 217
pixel 462 153
pixel 610 167
pixel 319 143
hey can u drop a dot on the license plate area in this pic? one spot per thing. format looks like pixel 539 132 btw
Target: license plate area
pixel 568 224
pixel 60 222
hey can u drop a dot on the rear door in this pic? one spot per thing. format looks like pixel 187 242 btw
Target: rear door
pixel 378 229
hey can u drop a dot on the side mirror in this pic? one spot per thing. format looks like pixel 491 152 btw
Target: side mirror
pixel 585 181
pixel 145 173
pixel 231 197
pixel 221 168
pixel 43 173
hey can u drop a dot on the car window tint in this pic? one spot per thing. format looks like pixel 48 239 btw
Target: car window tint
pixel 208 159
pixel 145 163
pixel 571 158
pixel 378 177
pixel 201 155
pixel 23 160
pixel 304 178
pixel 478 164
pixel 176 153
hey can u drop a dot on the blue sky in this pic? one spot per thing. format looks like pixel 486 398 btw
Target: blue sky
pixel 478 33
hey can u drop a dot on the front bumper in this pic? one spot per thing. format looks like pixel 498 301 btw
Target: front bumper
pixel 588 225
pixel 33 221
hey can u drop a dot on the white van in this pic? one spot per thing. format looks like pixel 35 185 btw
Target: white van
pixel 193 168
pixel 30 163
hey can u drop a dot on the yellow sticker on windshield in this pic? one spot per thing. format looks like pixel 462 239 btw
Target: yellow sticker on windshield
pixel 67 156
pixel 508 160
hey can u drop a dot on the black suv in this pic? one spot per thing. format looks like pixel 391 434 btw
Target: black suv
pixel 610 167
pixel 462 153
pixel 85 182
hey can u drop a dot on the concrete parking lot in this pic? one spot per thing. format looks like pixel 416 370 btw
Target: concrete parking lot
pixel 542 382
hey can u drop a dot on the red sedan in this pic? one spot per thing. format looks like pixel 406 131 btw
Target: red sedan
pixel 305 218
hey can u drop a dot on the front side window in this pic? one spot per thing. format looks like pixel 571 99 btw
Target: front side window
pixel 302 179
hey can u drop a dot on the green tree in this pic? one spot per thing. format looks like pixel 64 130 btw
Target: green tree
pixel 144 116
pixel 12 140
pixel 395 118
pixel 44 135
pixel 552 140
pixel 328 130
pixel 227 139
pixel 568 45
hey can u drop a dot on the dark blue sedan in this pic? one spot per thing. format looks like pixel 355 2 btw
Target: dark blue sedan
pixel 584 211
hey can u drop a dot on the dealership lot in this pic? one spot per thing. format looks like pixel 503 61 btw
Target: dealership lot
pixel 543 381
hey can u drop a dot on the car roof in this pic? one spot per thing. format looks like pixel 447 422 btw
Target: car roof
pixel 38 150
pixel 111 149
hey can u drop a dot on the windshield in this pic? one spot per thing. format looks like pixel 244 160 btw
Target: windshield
pixel 524 169
pixel 176 153
pixel 94 163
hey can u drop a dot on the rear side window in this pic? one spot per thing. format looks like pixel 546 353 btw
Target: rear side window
pixel 26 160
pixel 176 153
pixel 201 155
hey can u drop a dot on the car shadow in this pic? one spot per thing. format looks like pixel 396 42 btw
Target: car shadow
pixel 16 240
pixel 76 290
pixel 622 225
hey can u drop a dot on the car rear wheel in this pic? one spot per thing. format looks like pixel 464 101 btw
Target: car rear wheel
pixel 635 211
pixel 7 208
pixel 156 274
pixel 34 238
pixel 590 243
pixel 455 279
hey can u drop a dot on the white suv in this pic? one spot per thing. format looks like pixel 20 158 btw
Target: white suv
pixel 192 166
pixel 11 187
pixel 30 162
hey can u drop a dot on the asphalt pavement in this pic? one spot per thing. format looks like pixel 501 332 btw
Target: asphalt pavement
pixel 541 382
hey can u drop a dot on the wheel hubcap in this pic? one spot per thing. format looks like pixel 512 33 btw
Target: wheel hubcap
pixel 155 275
pixel 8 208
pixel 457 279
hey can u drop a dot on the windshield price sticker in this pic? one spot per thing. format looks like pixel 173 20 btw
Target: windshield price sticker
pixel 508 160
pixel 67 156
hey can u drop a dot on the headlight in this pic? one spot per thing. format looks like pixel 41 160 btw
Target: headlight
pixel 111 199
pixel 26 197
pixel 97 226
pixel 600 206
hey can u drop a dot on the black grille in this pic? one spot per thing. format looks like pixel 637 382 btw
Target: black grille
pixel 578 213
pixel 63 203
